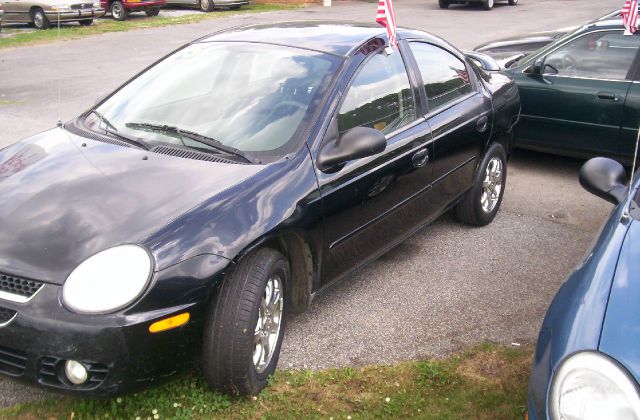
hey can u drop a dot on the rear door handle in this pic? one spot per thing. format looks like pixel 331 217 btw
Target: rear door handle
pixel 420 158
pixel 608 96
pixel 482 124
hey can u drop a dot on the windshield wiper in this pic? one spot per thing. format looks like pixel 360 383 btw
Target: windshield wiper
pixel 112 130
pixel 200 138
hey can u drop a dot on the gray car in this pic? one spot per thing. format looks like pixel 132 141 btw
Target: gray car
pixel 209 5
pixel 42 13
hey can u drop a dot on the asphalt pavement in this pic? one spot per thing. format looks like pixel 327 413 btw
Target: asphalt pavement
pixel 447 287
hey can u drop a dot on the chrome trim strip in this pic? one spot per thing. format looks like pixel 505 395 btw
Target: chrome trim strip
pixel 9 321
pixel 17 298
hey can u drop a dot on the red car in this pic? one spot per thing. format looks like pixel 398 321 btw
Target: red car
pixel 120 9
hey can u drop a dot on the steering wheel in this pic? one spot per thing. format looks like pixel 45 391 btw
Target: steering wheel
pixel 569 66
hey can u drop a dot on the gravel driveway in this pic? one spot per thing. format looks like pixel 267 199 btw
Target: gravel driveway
pixel 447 287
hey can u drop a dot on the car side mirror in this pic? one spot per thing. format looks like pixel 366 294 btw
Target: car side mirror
pixel 535 68
pixel 356 143
pixel 485 61
pixel 605 178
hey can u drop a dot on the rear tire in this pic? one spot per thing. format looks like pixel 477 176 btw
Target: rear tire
pixel 39 19
pixel 118 12
pixel 482 202
pixel 86 22
pixel 487 4
pixel 444 4
pixel 206 5
pixel 245 325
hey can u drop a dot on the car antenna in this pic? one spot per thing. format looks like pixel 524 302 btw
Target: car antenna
pixel 633 170
pixel 59 72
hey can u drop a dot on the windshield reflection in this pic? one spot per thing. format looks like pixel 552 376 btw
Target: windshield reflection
pixel 251 97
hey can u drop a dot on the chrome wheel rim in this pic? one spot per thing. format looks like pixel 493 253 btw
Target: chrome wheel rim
pixel 269 322
pixel 490 2
pixel 116 11
pixel 204 4
pixel 38 20
pixel 492 185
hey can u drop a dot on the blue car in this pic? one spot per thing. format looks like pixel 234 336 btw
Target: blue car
pixel 587 360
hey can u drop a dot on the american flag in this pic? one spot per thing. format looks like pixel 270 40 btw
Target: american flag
pixel 387 17
pixel 630 16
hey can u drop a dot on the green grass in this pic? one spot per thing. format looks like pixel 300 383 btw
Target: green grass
pixel 486 382
pixel 136 21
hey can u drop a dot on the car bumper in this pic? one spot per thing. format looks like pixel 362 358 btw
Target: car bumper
pixel 230 2
pixel 119 352
pixel 72 15
pixel 144 5
pixel 117 349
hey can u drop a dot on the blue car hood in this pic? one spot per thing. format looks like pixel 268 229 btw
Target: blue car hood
pixel 621 329
pixel 62 201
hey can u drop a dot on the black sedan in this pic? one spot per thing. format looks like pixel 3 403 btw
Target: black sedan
pixel 225 186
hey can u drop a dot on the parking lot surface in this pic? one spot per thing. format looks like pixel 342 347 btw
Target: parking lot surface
pixel 450 285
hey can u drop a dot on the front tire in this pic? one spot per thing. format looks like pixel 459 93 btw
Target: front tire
pixel 444 4
pixel 245 326
pixel 152 12
pixel 487 4
pixel 513 2
pixel 206 5
pixel 481 203
pixel 39 19
pixel 118 12
pixel 86 22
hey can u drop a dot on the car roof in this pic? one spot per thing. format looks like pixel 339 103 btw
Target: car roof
pixel 333 37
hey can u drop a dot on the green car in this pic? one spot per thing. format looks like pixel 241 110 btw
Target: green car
pixel 580 95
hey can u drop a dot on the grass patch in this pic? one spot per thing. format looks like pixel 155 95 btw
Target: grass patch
pixel 486 382
pixel 73 31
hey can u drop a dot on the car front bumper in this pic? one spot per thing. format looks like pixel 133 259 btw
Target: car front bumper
pixel 142 5
pixel 118 350
pixel 226 3
pixel 73 15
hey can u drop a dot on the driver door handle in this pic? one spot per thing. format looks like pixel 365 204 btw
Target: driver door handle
pixel 420 158
pixel 608 96
pixel 482 124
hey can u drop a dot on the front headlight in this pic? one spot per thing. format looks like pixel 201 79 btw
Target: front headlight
pixel 61 7
pixel 590 385
pixel 97 4
pixel 108 281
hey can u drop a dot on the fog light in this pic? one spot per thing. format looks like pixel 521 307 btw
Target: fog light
pixel 76 372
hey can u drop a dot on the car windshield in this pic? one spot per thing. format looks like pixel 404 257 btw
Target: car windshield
pixel 245 99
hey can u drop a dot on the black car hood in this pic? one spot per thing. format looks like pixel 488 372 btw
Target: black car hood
pixel 61 202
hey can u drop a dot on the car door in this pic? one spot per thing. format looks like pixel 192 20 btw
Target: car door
pixel 13 11
pixel 631 121
pixel 372 203
pixel 459 113
pixel 576 106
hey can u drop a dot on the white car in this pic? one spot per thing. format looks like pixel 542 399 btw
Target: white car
pixel 486 4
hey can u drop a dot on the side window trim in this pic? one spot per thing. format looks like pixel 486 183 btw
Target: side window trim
pixel 355 75
pixel 428 113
